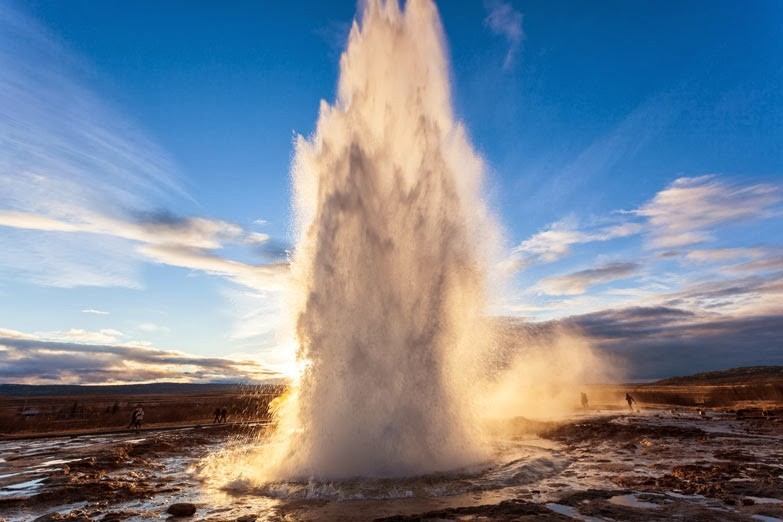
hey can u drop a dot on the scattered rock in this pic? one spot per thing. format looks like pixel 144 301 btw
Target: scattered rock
pixel 506 511
pixel 74 516
pixel 181 509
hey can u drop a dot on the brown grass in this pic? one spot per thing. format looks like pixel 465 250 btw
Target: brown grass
pixel 708 396
pixel 102 412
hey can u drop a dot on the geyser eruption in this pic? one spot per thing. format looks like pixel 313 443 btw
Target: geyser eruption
pixel 390 265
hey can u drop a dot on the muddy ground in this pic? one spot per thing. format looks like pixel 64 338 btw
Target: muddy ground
pixel 659 464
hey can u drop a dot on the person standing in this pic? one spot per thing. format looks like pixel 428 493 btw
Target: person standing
pixel 133 418
pixel 630 400
pixel 138 418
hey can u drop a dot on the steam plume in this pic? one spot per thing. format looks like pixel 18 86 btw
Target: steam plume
pixel 389 272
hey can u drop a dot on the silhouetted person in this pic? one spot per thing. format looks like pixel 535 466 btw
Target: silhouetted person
pixel 223 414
pixel 630 401
pixel 584 400
pixel 217 416
pixel 139 418
pixel 133 419
pixel 136 417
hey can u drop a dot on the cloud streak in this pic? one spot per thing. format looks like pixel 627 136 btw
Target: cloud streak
pixel 684 214
pixel 166 239
pixel 555 242
pixel 503 20
pixel 29 359
pixel 92 311
pixel 687 211
pixel 578 282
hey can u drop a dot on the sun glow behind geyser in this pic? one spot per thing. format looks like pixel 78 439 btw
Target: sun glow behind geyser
pixel 389 278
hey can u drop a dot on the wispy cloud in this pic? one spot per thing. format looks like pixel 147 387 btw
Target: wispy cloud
pixel 722 255
pixel 692 238
pixel 684 214
pixel 59 138
pixel 63 149
pixel 166 239
pixel 555 242
pixel 94 312
pixel 31 359
pixel 757 292
pixel 578 282
pixel 260 277
pixel 594 163
pixel 152 327
pixel 503 20
pixel 687 211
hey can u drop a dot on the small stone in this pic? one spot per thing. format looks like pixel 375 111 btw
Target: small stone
pixel 181 509
pixel 748 501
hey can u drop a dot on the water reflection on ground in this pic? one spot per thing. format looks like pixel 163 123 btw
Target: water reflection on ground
pixel 593 467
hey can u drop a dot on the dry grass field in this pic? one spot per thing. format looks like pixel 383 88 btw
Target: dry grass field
pixel 30 415
pixel 732 389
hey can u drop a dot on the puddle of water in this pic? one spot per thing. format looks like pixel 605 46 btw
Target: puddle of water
pixel 766 518
pixel 765 500
pixel 685 497
pixel 563 510
pixel 22 488
pixel 54 462
pixel 632 501
pixel 571 512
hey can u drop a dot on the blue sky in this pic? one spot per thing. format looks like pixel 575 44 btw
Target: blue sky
pixel 632 150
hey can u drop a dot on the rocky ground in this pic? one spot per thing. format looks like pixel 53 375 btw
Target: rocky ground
pixel 658 464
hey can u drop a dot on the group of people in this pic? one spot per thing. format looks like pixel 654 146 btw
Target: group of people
pixel 137 416
pixel 630 400
pixel 221 414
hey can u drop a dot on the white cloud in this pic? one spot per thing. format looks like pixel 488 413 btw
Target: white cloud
pixel 715 255
pixel 105 335
pixel 256 238
pixel 65 151
pixel 555 242
pixel 684 214
pixel 152 327
pixel 503 20
pixel 688 210
pixel 262 277
pixel 94 312
pixel 163 238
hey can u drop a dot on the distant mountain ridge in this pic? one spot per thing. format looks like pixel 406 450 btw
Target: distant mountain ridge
pixel 733 376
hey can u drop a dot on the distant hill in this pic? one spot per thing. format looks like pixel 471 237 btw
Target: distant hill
pixel 734 376
pixel 158 388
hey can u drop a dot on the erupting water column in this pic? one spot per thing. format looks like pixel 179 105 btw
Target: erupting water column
pixel 389 267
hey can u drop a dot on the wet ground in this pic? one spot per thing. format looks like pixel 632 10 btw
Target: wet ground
pixel 655 465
